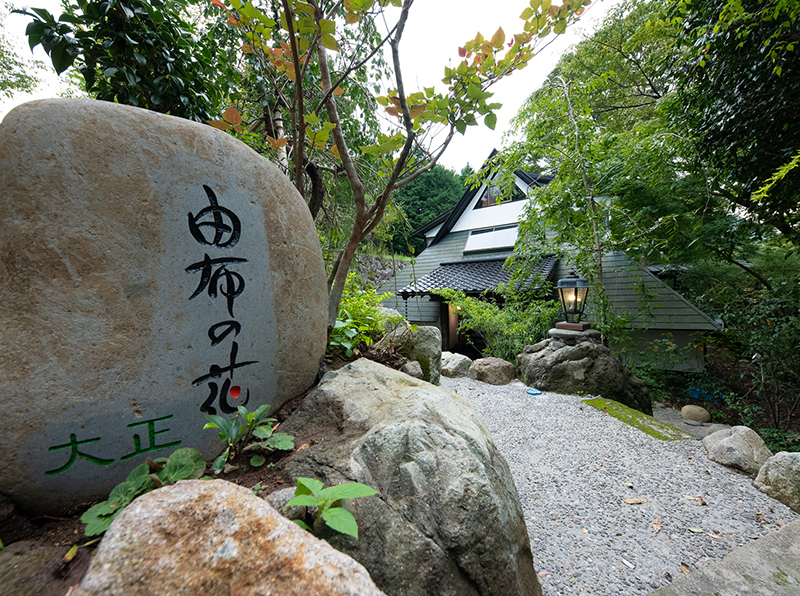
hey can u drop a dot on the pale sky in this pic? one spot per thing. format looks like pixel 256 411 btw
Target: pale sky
pixel 435 30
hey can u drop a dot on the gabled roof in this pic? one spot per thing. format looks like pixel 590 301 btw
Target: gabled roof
pixel 452 216
pixel 472 276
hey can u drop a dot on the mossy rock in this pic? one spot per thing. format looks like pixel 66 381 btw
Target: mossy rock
pixel 647 424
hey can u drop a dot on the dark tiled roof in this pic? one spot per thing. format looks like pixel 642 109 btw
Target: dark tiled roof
pixel 471 276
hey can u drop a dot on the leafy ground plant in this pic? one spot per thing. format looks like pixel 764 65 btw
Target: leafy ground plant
pixel 360 319
pixel 328 501
pixel 183 464
pixel 236 433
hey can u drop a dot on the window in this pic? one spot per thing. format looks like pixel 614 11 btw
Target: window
pixel 492 193
pixel 492 238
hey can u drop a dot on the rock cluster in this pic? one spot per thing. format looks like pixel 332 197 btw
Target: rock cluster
pixel 448 519
pixel 573 362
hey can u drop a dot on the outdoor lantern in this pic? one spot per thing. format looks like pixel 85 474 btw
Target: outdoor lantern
pixel 572 290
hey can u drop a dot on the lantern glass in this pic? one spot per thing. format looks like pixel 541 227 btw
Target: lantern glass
pixel 572 291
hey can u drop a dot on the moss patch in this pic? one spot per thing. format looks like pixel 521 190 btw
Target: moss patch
pixel 647 424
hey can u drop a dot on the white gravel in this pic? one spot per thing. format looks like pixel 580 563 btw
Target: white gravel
pixel 574 466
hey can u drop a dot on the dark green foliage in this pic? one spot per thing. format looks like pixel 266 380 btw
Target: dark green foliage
pixel 739 88
pixel 360 320
pixel 183 464
pixel 423 200
pixel 142 53
pixel 236 433
pixel 505 329
pixel 16 74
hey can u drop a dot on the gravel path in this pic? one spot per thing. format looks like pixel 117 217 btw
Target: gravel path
pixel 574 466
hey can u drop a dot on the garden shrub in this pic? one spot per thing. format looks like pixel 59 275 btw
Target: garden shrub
pixel 505 329
pixel 360 321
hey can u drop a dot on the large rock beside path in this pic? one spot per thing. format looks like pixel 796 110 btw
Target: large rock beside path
pixel 578 363
pixel 737 447
pixel 154 270
pixel 448 520
pixel 455 365
pixel 423 345
pixel 494 371
pixel 770 566
pixel 214 537
pixel 779 478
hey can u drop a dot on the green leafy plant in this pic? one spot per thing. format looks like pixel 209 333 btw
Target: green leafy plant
pixel 360 319
pixel 505 329
pixel 183 464
pixel 328 501
pixel 780 440
pixel 235 433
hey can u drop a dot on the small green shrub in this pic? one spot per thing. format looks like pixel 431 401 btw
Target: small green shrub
pixel 780 440
pixel 328 501
pixel 360 319
pixel 183 464
pixel 236 433
pixel 506 329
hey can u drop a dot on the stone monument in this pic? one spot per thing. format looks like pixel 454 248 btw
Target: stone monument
pixel 152 270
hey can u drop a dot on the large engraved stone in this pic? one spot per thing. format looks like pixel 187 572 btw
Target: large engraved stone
pixel 152 270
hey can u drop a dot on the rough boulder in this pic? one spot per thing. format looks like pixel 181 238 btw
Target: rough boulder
pixel 448 520
pixel 779 478
pixel 423 345
pixel 455 365
pixel 494 371
pixel 214 537
pixel 738 447
pixel 565 365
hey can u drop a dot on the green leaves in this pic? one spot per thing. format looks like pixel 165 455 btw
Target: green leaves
pixel 310 493
pixel 237 432
pixel 137 52
pixel 183 464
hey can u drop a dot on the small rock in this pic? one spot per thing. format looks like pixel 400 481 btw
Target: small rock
pixel 695 413
pixel 279 500
pixel 494 371
pixel 413 369
pixel 455 365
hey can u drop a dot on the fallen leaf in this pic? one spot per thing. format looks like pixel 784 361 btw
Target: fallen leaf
pixel 714 536
pixel 635 501
pixel 71 553
pixel 685 568
pixel 657 524
pixel 777 523
pixel 700 501
pixel 542 573
pixel 668 576
pixel 585 531
pixel 279 481
pixel 303 446
pixel 696 530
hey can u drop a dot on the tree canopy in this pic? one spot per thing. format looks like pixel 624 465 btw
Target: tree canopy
pixel 317 85
pixel 16 73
